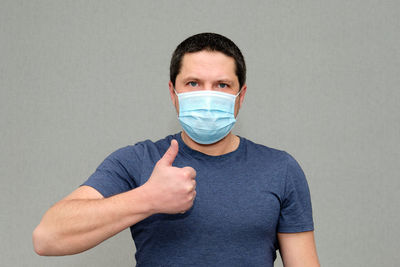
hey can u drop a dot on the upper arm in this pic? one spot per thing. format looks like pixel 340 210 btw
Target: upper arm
pixel 84 192
pixel 298 249
pixel 296 209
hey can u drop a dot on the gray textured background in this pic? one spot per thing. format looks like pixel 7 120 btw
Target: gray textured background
pixel 80 79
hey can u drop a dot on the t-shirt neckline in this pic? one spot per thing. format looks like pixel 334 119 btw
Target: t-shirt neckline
pixel 194 153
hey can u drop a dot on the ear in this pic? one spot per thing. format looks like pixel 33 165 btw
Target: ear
pixel 173 96
pixel 242 94
pixel 171 92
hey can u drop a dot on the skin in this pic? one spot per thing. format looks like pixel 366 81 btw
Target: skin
pixel 206 70
pixel 298 249
pixel 85 218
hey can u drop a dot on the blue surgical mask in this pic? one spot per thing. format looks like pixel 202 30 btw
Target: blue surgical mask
pixel 207 116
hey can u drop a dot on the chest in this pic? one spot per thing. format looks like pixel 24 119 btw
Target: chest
pixel 230 204
pixel 239 201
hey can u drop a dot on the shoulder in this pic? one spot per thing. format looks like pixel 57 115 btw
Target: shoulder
pixel 141 150
pixel 276 160
pixel 265 152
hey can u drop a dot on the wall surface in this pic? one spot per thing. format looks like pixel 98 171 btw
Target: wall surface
pixel 80 79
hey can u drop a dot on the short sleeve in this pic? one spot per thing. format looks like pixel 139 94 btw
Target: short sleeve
pixel 296 210
pixel 113 175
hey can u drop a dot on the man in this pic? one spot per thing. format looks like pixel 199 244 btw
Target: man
pixel 202 197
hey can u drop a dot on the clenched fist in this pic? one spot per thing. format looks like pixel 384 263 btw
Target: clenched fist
pixel 171 189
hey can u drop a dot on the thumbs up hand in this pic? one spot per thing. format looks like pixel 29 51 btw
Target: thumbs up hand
pixel 171 189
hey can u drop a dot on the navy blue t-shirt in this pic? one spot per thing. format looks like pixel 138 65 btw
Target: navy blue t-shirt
pixel 243 199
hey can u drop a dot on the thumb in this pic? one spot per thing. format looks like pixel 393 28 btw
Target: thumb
pixel 170 154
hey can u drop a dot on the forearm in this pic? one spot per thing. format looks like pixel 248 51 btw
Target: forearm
pixel 73 226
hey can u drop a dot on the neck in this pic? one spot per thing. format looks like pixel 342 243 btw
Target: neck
pixel 227 144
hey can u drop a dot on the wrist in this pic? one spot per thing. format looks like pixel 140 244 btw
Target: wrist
pixel 147 199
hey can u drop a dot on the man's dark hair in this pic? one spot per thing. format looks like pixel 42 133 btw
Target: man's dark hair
pixel 209 42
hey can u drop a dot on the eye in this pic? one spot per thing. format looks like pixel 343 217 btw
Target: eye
pixel 193 84
pixel 222 85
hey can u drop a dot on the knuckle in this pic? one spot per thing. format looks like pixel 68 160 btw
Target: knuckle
pixel 189 188
pixel 192 196
pixel 189 172
pixel 186 174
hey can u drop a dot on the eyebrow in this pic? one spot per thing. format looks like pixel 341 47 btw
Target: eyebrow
pixel 192 78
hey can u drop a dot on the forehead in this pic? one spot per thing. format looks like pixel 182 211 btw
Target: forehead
pixel 208 64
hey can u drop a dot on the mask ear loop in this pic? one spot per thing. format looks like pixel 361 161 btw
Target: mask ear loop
pixel 176 93
pixel 238 93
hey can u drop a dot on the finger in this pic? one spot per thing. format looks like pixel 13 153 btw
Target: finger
pixel 190 172
pixel 170 155
pixel 190 188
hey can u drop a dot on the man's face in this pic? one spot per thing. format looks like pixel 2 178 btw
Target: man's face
pixel 206 70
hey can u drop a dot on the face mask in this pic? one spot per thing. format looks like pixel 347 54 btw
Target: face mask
pixel 206 116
